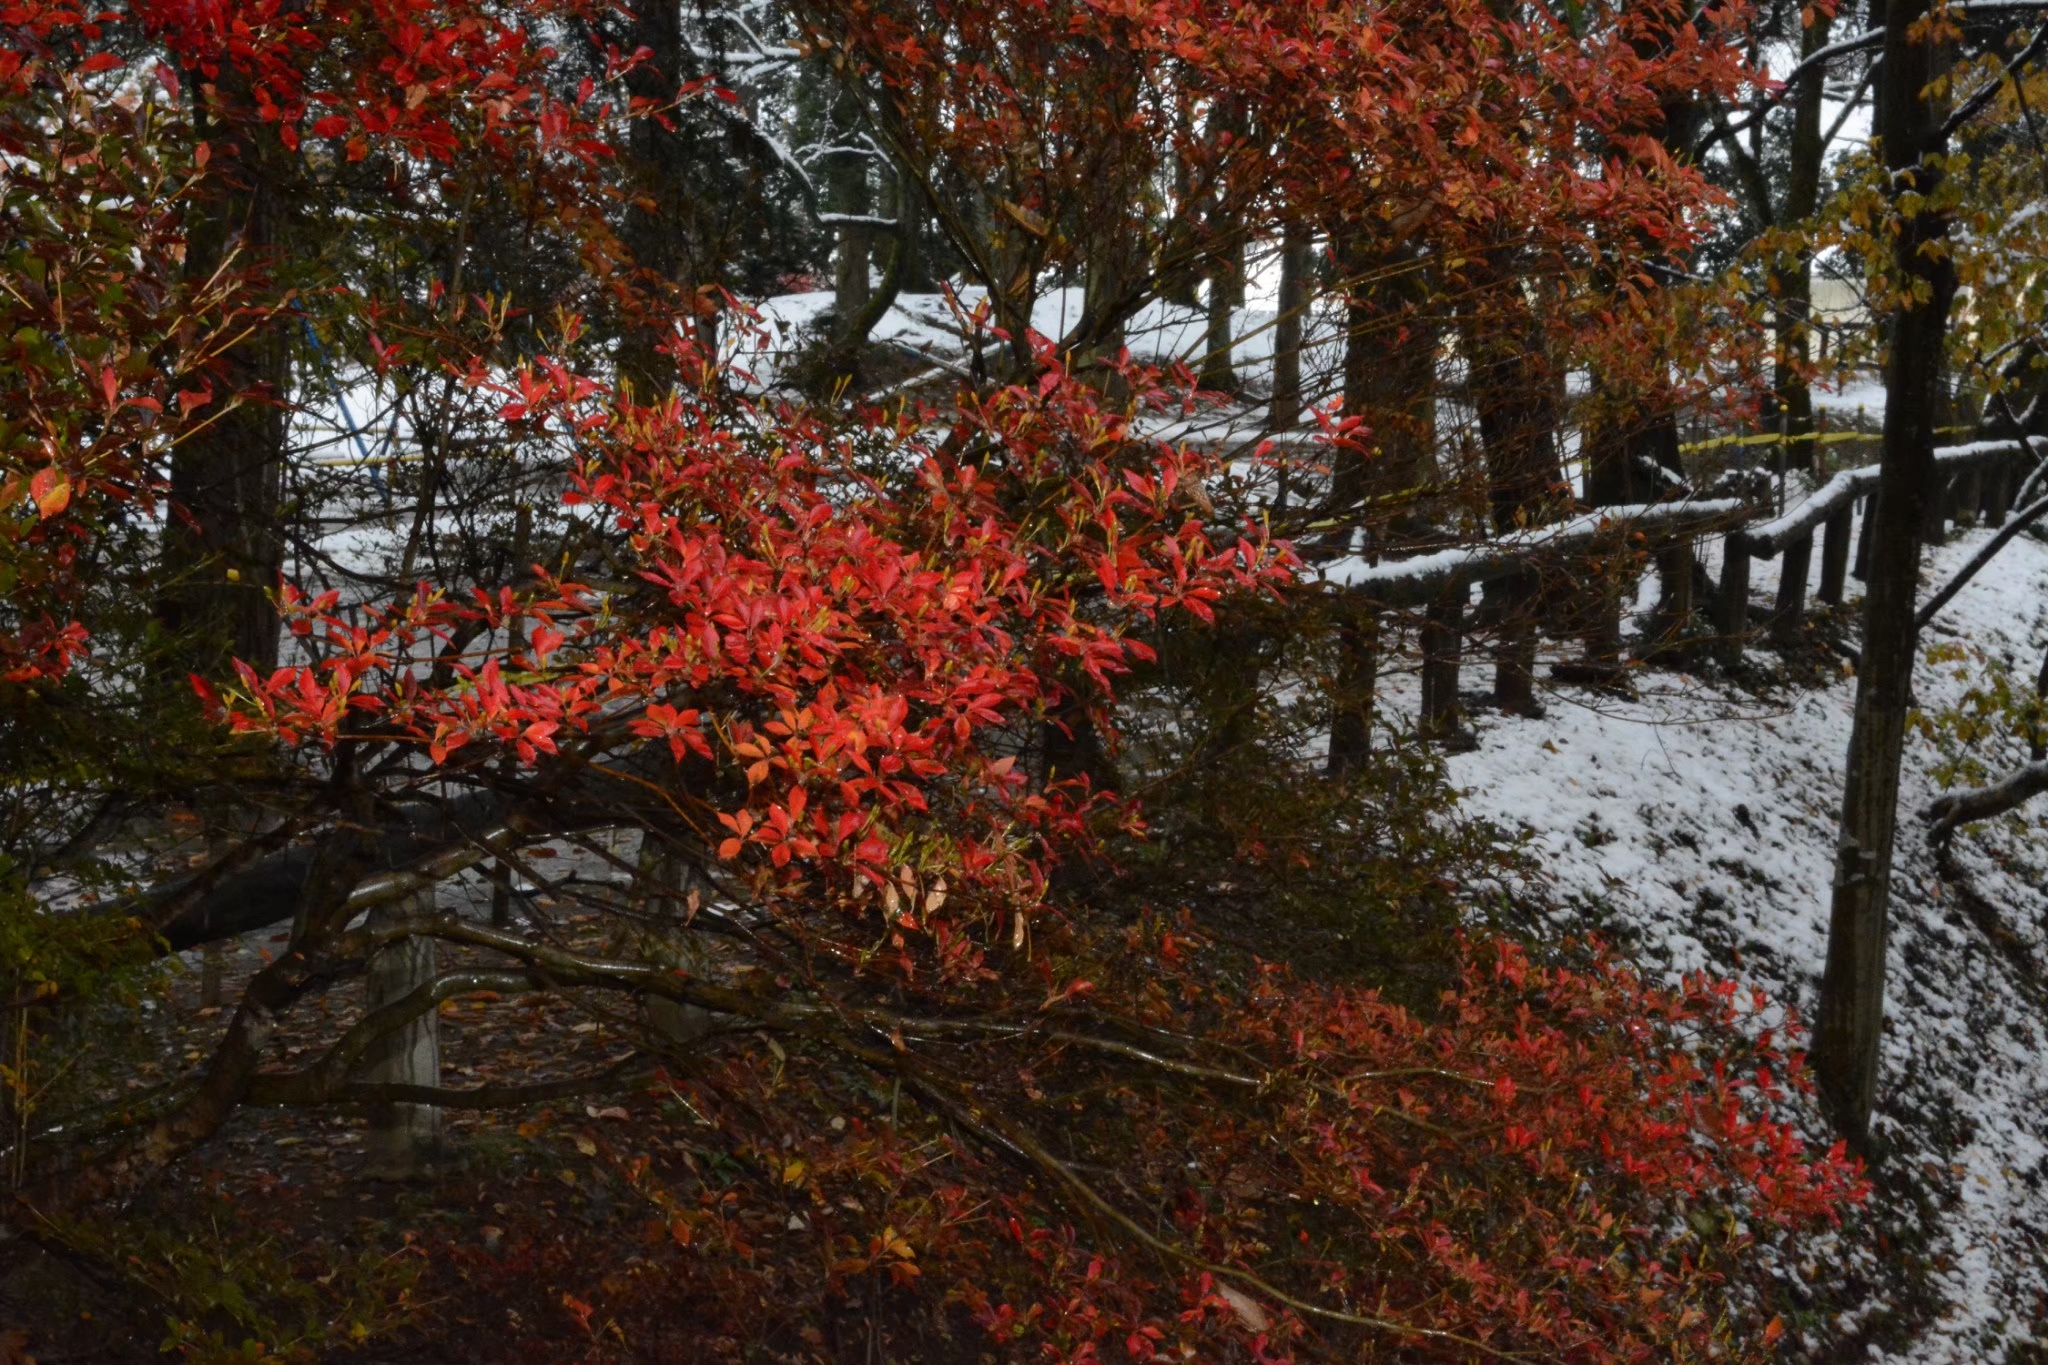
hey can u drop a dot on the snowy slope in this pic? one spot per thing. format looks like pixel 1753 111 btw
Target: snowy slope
pixel 1696 825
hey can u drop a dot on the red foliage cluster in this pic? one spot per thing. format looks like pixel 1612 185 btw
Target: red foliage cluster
pixel 843 647
pixel 1487 148
pixel 103 347
pixel 839 635
pixel 409 74
pixel 1537 1170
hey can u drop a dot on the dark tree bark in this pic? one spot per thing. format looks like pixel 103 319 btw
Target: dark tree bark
pixel 1851 1019
pixel 1514 394
pixel 1793 284
pixel 1390 350
pixel 1514 397
pixel 653 229
pixel 1357 673
pixel 1288 328
pixel 1442 644
pixel 1390 382
pixel 223 547
pixel 851 195
pixel 1226 294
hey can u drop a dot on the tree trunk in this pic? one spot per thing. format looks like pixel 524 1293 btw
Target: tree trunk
pixel 652 229
pixel 1610 482
pixel 1851 1020
pixel 1389 381
pixel 223 546
pixel 1226 292
pixel 1513 609
pixel 1793 285
pixel 1674 594
pixel 1288 329
pixel 1442 645
pixel 851 195
pixel 1357 673
pixel 1513 392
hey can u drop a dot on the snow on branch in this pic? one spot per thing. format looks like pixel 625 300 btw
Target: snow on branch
pixel 1422 575
pixel 2018 522
pixel 1767 538
pixel 1981 803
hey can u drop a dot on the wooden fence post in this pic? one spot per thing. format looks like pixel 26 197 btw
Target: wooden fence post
pixel 1674 594
pixel 1358 655
pixel 1514 660
pixel 1834 553
pixel 1795 560
pixel 1442 642
pixel 1731 616
pixel 404 1138
pixel 1969 494
pixel 1998 487
pixel 1862 569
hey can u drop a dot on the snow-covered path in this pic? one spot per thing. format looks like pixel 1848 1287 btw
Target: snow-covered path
pixel 1696 825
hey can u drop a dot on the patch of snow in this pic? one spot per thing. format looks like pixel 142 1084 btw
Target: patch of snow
pixel 1697 824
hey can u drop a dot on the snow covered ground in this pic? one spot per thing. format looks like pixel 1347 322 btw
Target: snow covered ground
pixel 1696 824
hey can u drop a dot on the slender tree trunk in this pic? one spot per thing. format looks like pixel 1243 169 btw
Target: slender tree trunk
pixel 1390 351
pixel 223 548
pixel 1511 393
pixel 1851 1020
pixel 655 214
pixel 1389 381
pixel 1114 278
pixel 851 194
pixel 1610 482
pixel 1357 674
pixel 854 327
pixel 1442 645
pixel 1226 292
pixel 1793 285
pixel 1288 329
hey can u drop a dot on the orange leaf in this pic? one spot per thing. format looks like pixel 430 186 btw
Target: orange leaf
pixel 51 490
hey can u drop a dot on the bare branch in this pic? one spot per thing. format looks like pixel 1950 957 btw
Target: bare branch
pixel 496 1096
pixel 2019 522
pixel 1974 105
pixel 2010 792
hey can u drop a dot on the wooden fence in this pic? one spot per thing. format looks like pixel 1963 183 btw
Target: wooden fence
pixel 1978 482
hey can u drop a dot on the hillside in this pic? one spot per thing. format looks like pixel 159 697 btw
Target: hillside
pixel 1695 823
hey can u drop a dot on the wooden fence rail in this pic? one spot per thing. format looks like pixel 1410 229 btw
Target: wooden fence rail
pixel 1978 481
